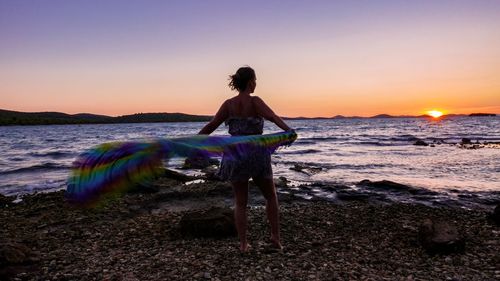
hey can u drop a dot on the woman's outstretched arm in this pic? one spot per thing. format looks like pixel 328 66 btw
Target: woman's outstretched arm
pixel 219 117
pixel 266 112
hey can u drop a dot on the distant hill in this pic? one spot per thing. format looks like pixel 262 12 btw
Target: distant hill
pixel 383 116
pixel 91 116
pixel 8 117
pixel 305 118
pixel 482 114
pixel 160 117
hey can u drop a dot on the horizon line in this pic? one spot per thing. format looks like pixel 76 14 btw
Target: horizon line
pixel 283 116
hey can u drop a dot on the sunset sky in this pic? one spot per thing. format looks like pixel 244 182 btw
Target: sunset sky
pixel 312 58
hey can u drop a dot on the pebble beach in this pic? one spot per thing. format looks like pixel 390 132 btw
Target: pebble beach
pixel 138 237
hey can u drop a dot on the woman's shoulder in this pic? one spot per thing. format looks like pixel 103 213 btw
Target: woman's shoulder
pixel 230 100
pixel 258 103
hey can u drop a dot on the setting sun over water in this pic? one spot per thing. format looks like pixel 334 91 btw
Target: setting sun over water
pixel 435 113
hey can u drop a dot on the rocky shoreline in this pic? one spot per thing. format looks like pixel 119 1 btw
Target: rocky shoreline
pixel 139 237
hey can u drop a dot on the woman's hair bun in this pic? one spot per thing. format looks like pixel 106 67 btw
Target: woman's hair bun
pixel 240 79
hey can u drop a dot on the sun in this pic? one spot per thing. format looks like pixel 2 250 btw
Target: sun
pixel 435 113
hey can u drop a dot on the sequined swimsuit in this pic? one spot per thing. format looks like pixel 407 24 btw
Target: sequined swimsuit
pixel 254 163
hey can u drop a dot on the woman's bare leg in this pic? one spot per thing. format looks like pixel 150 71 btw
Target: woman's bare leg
pixel 267 188
pixel 240 190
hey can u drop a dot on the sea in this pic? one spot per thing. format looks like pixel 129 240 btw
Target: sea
pixel 328 152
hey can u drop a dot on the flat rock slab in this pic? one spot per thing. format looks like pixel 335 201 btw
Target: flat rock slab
pixel 394 186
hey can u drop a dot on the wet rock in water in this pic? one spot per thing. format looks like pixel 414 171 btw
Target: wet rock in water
pixel 215 222
pixel 5 200
pixel 308 170
pixel 211 173
pixel 394 186
pixel 281 182
pixel 438 141
pixel 331 188
pixel 492 145
pixel 348 195
pixel 440 237
pixel 171 174
pixel 199 162
pixel 466 141
pixel 385 184
pixel 421 143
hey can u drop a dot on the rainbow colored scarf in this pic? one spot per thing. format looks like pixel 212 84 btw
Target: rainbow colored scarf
pixel 112 168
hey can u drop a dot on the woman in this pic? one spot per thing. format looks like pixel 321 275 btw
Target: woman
pixel 245 114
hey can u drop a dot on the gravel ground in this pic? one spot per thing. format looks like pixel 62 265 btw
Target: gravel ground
pixel 135 238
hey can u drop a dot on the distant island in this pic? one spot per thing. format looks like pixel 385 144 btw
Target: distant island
pixel 482 114
pixel 8 117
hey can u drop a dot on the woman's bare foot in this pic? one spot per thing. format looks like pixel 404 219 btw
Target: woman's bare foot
pixel 276 243
pixel 245 248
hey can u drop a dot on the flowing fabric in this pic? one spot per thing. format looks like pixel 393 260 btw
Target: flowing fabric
pixel 112 168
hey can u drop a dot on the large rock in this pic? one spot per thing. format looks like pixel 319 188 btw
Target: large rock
pixel 440 237
pixel 215 222
pixel 466 141
pixel 421 143
pixel 15 258
pixel 14 253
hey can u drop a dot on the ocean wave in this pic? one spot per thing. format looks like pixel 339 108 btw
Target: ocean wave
pixel 302 141
pixel 302 151
pixel 375 143
pixel 319 139
pixel 357 167
pixel 404 138
pixel 40 167
pixel 53 154
pixel 360 141
pixel 16 159
pixel 330 166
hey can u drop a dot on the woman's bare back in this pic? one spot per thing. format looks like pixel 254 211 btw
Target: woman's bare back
pixel 241 106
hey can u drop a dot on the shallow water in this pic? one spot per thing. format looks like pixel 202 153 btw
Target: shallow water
pixel 38 158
